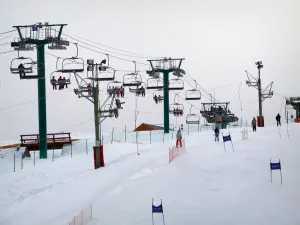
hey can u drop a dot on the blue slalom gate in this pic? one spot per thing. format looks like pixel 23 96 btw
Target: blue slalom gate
pixel 157 209
pixel 275 166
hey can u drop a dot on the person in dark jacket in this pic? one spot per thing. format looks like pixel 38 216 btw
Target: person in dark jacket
pixel 217 132
pixel 278 118
pixel 254 124
pixel 21 70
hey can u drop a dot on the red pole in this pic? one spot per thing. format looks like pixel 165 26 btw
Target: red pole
pixel 101 156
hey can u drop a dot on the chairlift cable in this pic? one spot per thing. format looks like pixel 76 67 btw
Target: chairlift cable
pixel 103 52
pixel 8 32
pixel 5 44
pixel 137 55
pixel 112 55
pixel 240 96
pixel 5 38
pixel 205 92
pixel 6 52
pixel 131 56
pixel 200 86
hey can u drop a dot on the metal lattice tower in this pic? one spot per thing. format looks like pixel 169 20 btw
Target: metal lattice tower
pixel 37 36
pixel 166 66
pixel 262 95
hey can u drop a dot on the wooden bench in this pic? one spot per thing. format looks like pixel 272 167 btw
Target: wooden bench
pixel 54 141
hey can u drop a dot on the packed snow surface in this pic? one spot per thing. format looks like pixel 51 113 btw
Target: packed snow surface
pixel 205 185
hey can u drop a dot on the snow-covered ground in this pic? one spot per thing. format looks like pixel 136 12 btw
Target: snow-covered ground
pixel 206 185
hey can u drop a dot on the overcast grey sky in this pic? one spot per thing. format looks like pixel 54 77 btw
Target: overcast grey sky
pixel 219 40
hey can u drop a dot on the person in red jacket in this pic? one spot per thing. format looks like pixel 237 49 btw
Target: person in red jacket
pixel 118 91
pixel 179 138
pixel 60 83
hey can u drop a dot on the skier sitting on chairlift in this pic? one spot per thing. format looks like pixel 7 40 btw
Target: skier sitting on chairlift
pixel 142 91
pixel 53 82
pixel 155 99
pixel 159 99
pixel 117 92
pixel 60 83
pixel 122 91
pixel 114 91
pixel 21 70
pixel 65 82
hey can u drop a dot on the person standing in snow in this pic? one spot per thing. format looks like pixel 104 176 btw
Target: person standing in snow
pixel 254 124
pixel 217 132
pixel 179 138
pixel 278 117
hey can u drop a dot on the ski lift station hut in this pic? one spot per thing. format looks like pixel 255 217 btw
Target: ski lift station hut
pixel 150 128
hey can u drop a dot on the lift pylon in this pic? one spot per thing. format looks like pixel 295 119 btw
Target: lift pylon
pixel 39 35
pixel 166 66
pixel 262 95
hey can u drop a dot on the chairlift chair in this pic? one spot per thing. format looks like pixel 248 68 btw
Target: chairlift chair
pixel 105 75
pixel 73 64
pixel 154 83
pixel 157 93
pixel 132 80
pixel 176 84
pixel 109 112
pixel 137 89
pixel 54 80
pixel 25 61
pixel 193 94
pixel 176 109
pixel 192 119
pixel 112 85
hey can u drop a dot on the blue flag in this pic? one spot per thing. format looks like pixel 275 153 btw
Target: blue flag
pixel 275 166
pixel 157 209
pixel 226 138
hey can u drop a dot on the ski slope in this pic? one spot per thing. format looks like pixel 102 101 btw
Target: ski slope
pixel 206 185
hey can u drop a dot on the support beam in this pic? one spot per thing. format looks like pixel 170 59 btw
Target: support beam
pixel 259 98
pixel 42 101
pixel 166 103
pixel 262 94
pixel 96 115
